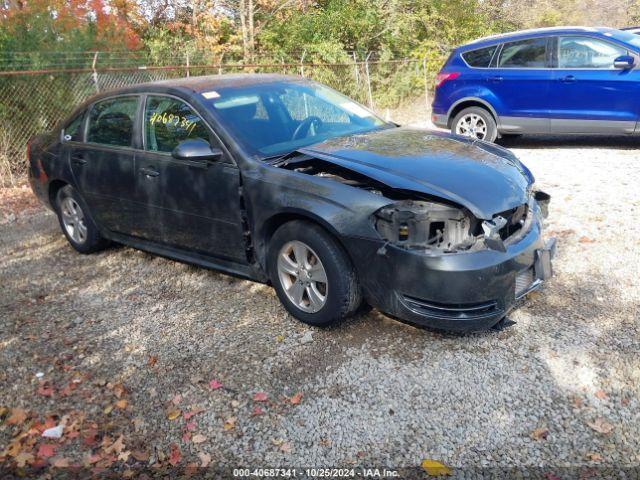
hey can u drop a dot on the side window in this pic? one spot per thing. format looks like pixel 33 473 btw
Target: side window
pixel 481 57
pixel 73 130
pixel 111 121
pixel 524 54
pixel 169 121
pixel 587 52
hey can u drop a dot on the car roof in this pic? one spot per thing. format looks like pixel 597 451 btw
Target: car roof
pixel 202 84
pixel 534 32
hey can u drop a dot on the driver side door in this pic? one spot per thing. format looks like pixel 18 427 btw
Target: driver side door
pixel 589 94
pixel 192 205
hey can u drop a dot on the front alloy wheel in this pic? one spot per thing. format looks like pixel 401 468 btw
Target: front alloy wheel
pixel 302 276
pixel 312 274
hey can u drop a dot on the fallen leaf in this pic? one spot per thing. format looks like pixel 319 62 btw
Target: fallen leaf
pixel 576 402
pixel 124 456
pixel 116 447
pixel 54 432
pixel 601 394
pixel 277 441
pixel 190 426
pixel 47 450
pixel 295 400
pixel 199 438
pixel 140 456
pixel 152 360
pixel 280 338
pixel 230 423
pixel 285 447
pixel 119 390
pixel 235 403
pixel 205 459
pixel 215 384
pixel 91 459
pixel 257 411
pixel 173 414
pixel 121 404
pixel 540 433
pixel 60 462
pixel 174 454
pixel 90 438
pixel 176 399
pixel 108 409
pixel 23 458
pixel 594 457
pixel 586 240
pixel 601 426
pixel 45 390
pixel 260 397
pixel 195 411
pixel 17 416
pixel 434 468
pixel 186 437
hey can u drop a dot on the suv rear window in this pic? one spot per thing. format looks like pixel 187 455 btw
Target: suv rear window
pixel 480 58
pixel 529 53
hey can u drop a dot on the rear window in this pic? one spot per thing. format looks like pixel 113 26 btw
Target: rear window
pixel 480 58
pixel 524 54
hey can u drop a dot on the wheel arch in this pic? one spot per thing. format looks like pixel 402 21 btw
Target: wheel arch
pixel 467 102
pixel 54 187
pixel 271 224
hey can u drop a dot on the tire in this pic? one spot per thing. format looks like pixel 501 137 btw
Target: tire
pixel 341 291
pixel 482 118
pixel 76 223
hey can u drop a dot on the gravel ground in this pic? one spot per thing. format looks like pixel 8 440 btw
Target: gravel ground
pixel 558 390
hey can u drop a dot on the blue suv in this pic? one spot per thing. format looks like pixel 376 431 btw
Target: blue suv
pixel 550 80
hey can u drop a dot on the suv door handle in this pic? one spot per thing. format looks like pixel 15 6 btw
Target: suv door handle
pixel 149 172
pixel 495 79
pixel 568 79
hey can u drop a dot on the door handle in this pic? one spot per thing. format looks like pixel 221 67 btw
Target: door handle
pixel 495 79
pixel 78 159
pixel 149 172
pixel 568 79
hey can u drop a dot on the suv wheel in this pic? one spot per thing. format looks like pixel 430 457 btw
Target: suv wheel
pixel 475 122
pixel 312 274
pixel 76 224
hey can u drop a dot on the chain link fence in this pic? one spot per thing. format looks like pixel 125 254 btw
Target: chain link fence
pixel 35 101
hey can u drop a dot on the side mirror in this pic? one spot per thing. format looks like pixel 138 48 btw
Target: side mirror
pixel 196 149
pixel 624 62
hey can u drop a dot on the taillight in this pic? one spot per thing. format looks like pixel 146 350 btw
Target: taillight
pixel 445 77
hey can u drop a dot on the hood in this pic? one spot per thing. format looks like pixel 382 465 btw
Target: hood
pixel 482 177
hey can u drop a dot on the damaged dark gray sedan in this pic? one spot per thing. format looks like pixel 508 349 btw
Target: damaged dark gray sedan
pixel 283 180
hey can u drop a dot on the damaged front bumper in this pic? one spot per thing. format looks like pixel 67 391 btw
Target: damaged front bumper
pixel 467 291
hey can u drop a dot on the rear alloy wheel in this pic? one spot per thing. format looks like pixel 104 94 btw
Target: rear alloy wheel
pixel 475 122
pixel 312 274
pixel 76 224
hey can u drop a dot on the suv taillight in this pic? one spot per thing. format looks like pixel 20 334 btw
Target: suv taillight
pixel 445 77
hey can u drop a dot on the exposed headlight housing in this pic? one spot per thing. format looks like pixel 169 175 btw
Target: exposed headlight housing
pixel 428 225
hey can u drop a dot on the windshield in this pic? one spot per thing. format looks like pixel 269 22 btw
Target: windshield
pixel 626 37
pixel 273 119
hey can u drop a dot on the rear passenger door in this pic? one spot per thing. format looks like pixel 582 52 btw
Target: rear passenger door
pixel 521 81
pixel 589 94
pixel 103 165
pixel 192 205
